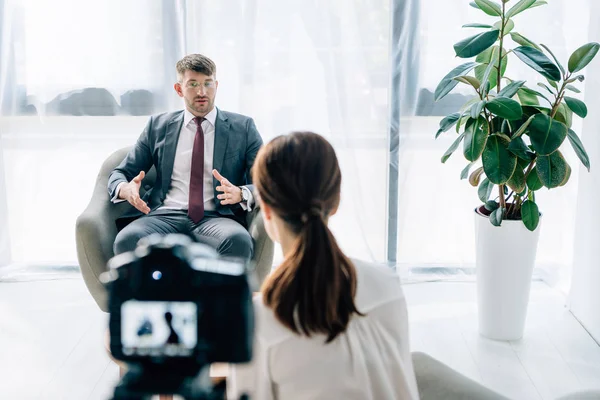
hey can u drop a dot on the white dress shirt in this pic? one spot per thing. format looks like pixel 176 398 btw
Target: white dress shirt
pixel 178 195
pixel 370 361
pixel 179 191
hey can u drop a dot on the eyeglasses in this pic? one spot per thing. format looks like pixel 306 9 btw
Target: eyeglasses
pixel 197 85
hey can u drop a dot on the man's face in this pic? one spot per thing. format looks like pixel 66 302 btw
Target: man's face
pixel 198 92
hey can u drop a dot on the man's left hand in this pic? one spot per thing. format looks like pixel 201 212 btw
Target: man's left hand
pixel 231 194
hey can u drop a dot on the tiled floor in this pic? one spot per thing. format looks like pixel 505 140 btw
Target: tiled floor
pixel 51 342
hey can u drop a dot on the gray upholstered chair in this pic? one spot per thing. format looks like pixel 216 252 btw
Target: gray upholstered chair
pixel 96 231
pixel 437 381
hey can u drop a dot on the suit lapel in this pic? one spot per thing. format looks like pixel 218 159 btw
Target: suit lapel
pixel 221 138
pixel 171 137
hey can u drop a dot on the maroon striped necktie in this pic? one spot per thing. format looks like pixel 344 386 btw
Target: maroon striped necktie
pixel 196 199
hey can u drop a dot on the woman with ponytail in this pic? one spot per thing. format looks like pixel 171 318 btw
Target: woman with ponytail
pixel 326 327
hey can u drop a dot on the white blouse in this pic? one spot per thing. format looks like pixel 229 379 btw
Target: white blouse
pixel 370 360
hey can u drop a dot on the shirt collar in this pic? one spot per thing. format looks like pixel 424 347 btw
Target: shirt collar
pixel 210 117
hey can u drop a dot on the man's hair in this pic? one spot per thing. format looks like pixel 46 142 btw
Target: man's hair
pixel 197 63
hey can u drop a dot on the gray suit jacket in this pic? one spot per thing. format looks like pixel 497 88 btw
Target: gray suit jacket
pixel 236 144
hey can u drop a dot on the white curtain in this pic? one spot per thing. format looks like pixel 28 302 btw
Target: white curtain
pixel 89 73
pixel 78 79
pixel 436 208
pixel 584 296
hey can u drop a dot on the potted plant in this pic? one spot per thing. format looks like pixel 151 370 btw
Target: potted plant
pixel 511 135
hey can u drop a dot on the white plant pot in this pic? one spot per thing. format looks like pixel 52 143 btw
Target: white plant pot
pixel 504 261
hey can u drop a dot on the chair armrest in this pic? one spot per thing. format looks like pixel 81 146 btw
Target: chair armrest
pixel 95 232
pixel 263 245
pixel 436 381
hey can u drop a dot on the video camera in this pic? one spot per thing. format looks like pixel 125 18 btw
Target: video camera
pixel 176 307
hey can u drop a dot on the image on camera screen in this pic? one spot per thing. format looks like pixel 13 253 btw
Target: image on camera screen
pixel 158 328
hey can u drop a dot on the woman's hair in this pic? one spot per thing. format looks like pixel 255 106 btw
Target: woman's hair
pixel 313 291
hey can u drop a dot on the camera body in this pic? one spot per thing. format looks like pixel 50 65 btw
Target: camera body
pixel 176 306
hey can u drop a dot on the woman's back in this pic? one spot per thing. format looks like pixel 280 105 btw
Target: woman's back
pixel 370 360
pixel 327 328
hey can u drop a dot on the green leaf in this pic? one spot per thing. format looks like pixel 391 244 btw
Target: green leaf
pixel 447 123
pixel 573 89
pixel 464 118
pixel 522 128
pixel 503 136
pixel 518 147
pixel 530 215
pixel 474 45
pixel 491 205
pixel 467 106
pixel 535 93
pixel 507 28
pixel 448 83
pixel 475 138
pixel 537 60
pixel 579 149
pixel 579 78
pixel 519 7
pixel 539 3
pixel 486 76
pixel 490 56
pixel 582 56
pixel 498 162
pixel 523 164
pixel 505 108
pixel 527 99
pixel 533 181
pixel 477 109
pixel 496 216
pixel 511 89
pixel 489 7
pixel 552 169
pixel 475 176
pixel 562 69
pixel 465 172
pixel 485 190
pixel 452 148
pixel 546 134
pixel 577 106
pixel 540 84
pixel 564 115
pixel 517 180
pixel 567 176
pixel 522 40
pixel 553 84
pixel 486 26
pixel 469 80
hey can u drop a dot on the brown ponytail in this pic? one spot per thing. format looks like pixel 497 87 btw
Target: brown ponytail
pixel 313 290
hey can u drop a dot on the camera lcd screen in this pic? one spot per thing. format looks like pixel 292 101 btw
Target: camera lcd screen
pixel 159 328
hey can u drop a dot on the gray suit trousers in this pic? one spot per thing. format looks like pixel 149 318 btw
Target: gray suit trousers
pixel 225 235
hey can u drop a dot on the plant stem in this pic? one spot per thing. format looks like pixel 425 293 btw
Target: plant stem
pixel 510 194
pixel 501 196
pixel 559 96
pixel 503 25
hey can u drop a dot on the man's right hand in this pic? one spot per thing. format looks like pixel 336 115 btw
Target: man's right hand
pixel 131 192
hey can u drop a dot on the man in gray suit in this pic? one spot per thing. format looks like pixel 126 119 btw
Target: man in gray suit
pixel 203 158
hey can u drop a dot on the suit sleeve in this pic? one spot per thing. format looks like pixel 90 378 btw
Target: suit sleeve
pixel 255 142
pixel 138 159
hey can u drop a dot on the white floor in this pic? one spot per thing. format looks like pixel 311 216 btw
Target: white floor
pixel 51 342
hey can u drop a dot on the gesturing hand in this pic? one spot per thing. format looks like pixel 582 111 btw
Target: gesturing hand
pixel 130 191
pixel 231 194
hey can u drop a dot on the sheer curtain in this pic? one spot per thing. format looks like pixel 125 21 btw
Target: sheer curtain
pixel 89 73
pixel 435 207
pixel 78 80
pixel 584 296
